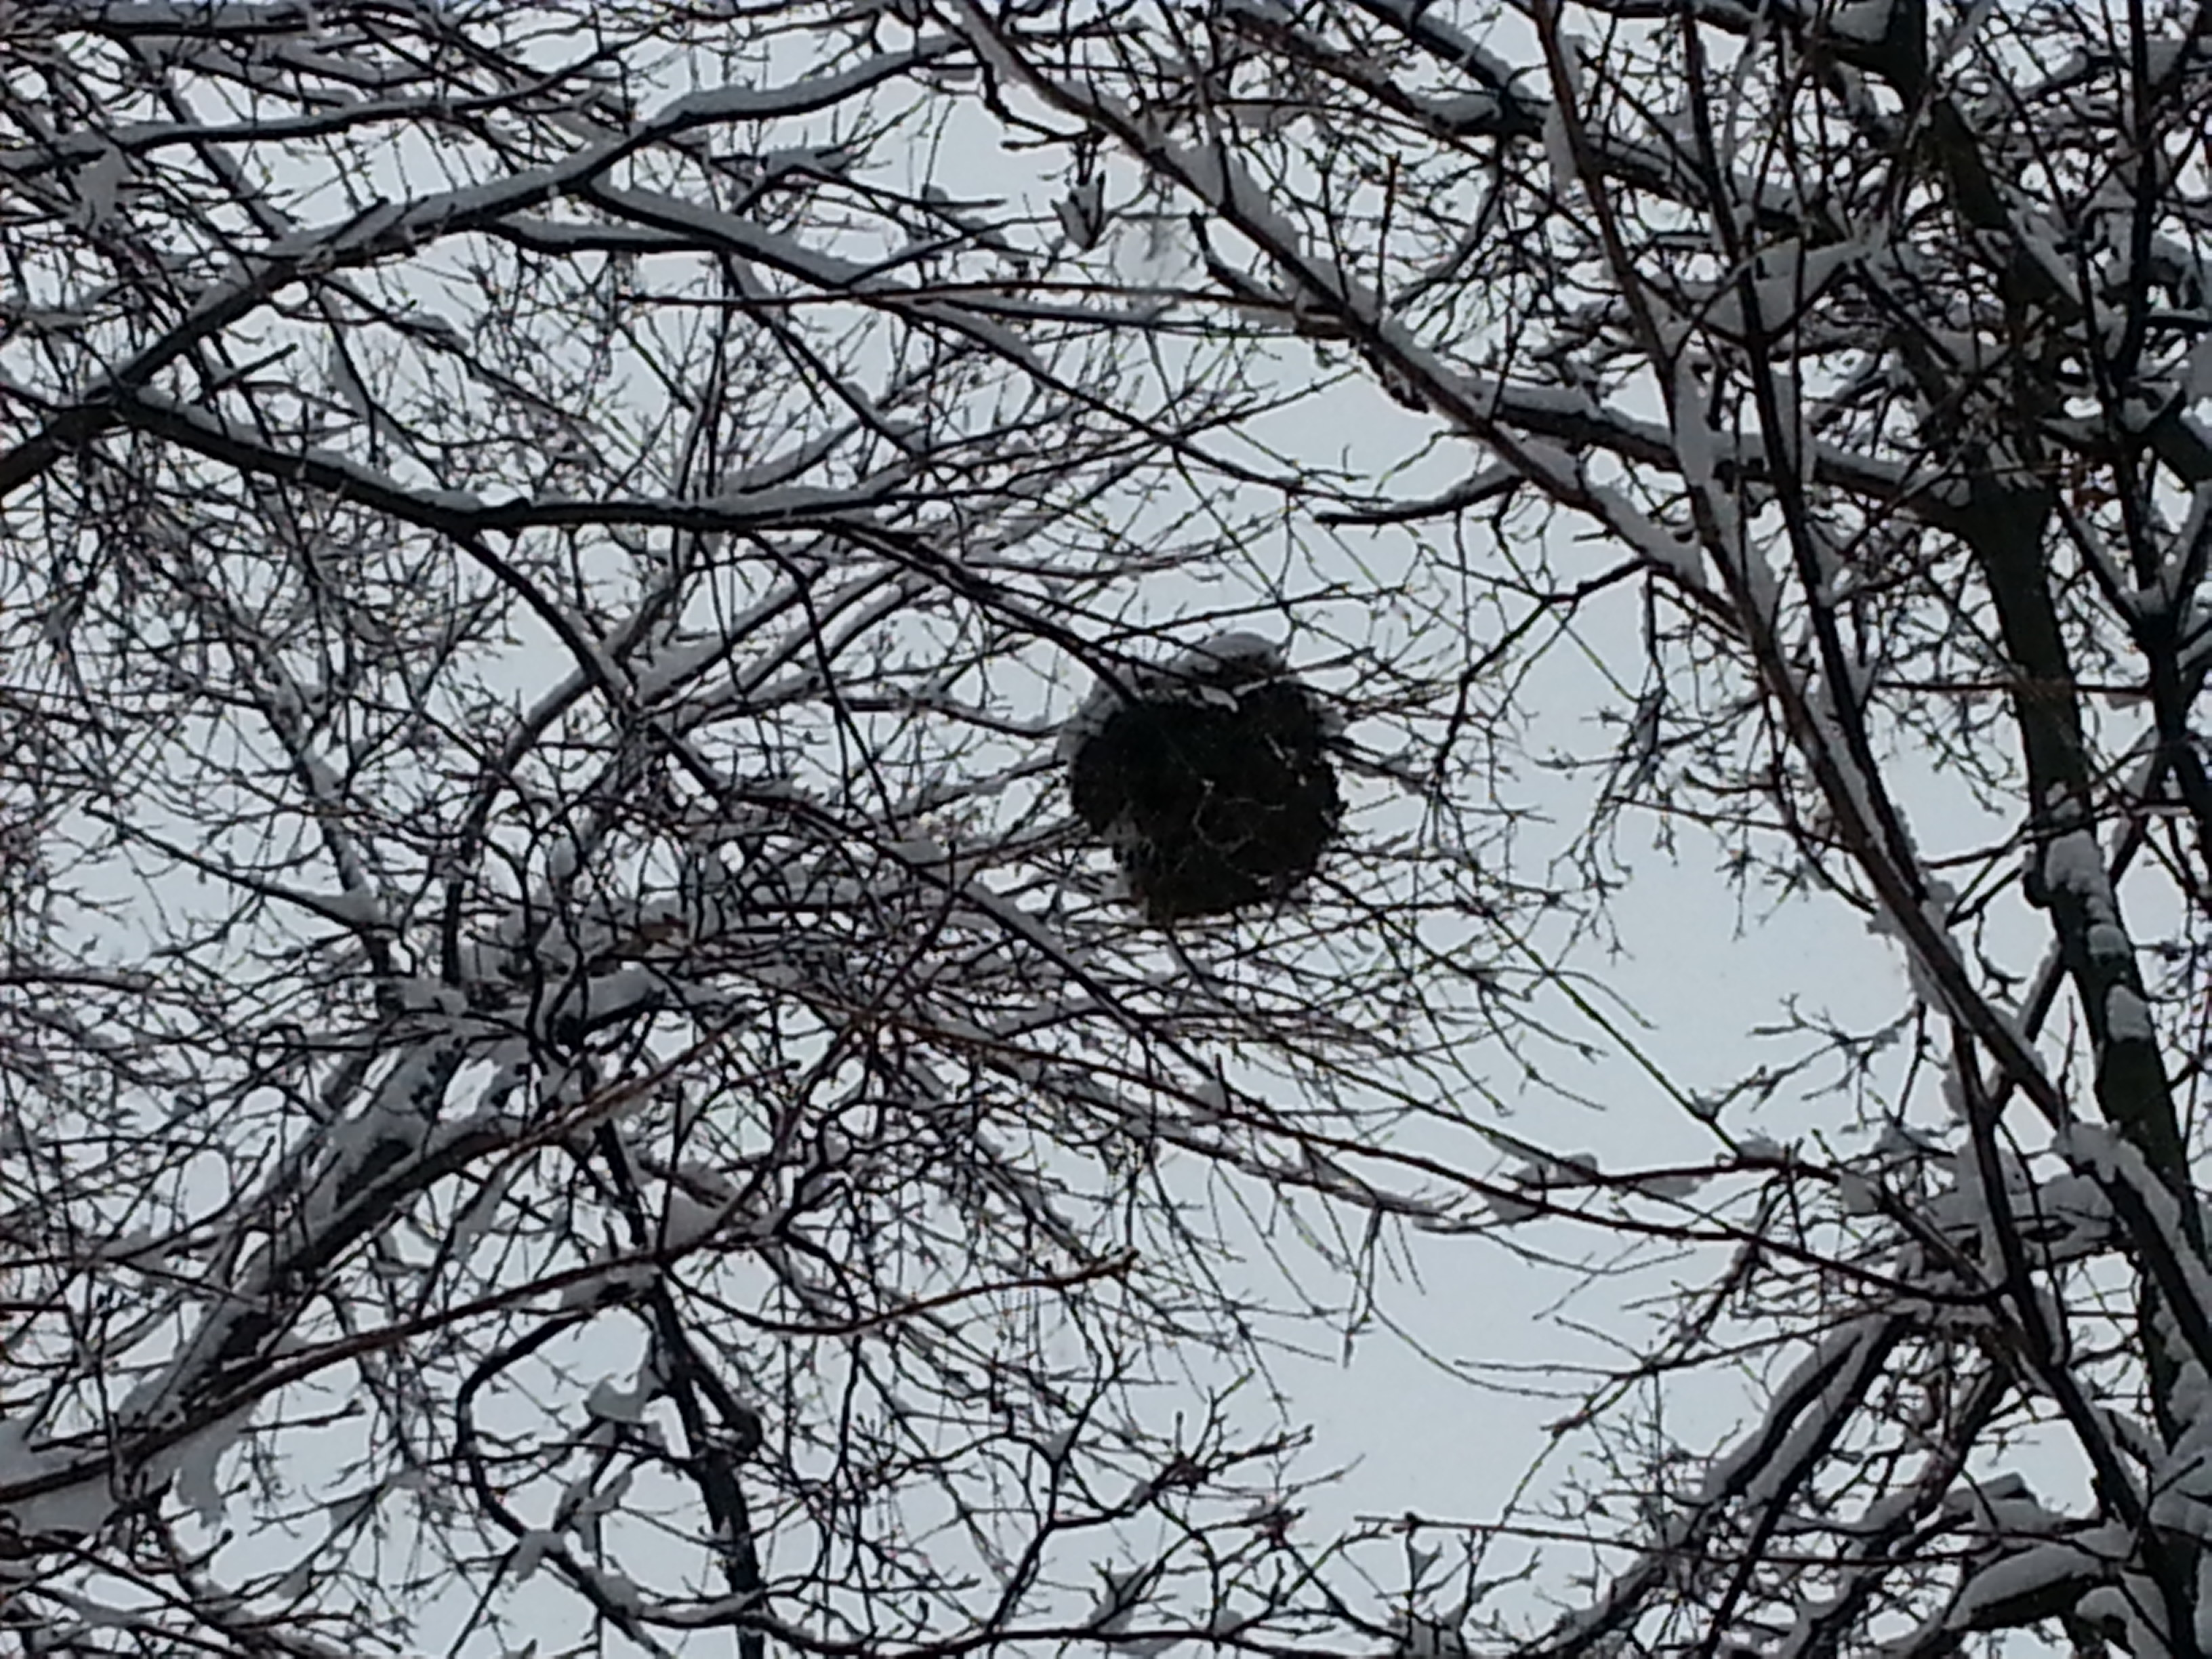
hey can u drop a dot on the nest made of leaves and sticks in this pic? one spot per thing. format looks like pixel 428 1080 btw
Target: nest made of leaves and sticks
pixel 1209 776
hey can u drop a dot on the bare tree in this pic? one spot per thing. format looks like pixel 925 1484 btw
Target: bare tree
pixel 565 1057
pixel 569 1074
pixel 1863 346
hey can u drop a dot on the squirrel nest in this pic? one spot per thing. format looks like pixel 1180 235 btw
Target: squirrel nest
pixel 1209 776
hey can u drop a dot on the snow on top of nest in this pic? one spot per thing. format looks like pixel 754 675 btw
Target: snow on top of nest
pixel 1234 645
pixel 1237 645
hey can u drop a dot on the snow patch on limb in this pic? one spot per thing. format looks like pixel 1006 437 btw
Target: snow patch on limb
pixel 2126 1177
pixel 390 228
pixel 2041 1580
pixel 1509 1209
pixel 605 997
pixel 1824 1391
pixel 1465 50
pixel 1927 990
pixel 1559 153
pixel 587 1500
pixel 1819 1393
pixel 2127 1017
pixel 2119 1607
pixel 2003 1503
pixel 613 1403
pixel 476 1219
pixel 1785 279
pixel 331 1196
pixel 1653 541
pixel 2074 863
pixel 2058 1217
pixel 1427 1638
pixel 1557 469
pixel 1865 20
pixel 194 1464
pixel 2182 1477
pixel 697 223
pixel 72 1509
pixel 1122 1595
pixel 1218 180
pixel 686 1221
pixel 1697 445
pixel 1859 1195
pixel 460 511
pixel 1539 1178
pixel 419 993
pixel 617 1282
pixel 2107 940
pixel 745 102
pixel 1698 451
pixel 1063 953
pixel 530 1550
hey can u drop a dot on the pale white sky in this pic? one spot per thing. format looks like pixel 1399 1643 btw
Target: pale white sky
pixel 1699 970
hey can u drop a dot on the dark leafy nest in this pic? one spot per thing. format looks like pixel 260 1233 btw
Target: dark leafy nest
pixel 1210 778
